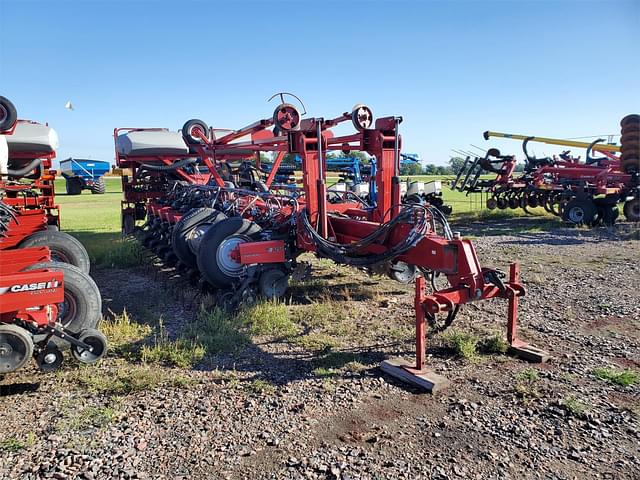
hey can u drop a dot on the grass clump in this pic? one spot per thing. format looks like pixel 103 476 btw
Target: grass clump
pixel 181 353
pixel 495 344
pixel 317 342
pixel 574 406
pixel 14 444
pixel 268 317
pixel 464 344
pixel 121 253
pixel 216 331
pixel 526 383
pixel 127 380
pixel 260 386
pixel 122 332
pixel 89 417
pixel 623 378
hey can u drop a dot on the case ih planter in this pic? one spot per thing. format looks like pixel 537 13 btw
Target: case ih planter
pixel 208 208
pixel 581 193
pixel 44 305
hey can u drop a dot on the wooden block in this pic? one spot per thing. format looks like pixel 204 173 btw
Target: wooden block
pixel 530 353
pixel 426 379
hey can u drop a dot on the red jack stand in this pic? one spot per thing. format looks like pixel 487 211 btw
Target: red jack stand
pixel 417 374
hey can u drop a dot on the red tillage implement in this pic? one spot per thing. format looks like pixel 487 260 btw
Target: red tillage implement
pixel 211 209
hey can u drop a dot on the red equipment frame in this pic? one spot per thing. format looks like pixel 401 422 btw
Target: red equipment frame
pixel 348 222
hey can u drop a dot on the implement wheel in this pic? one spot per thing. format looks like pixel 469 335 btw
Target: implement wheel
pixel 189 231
pixel 98 343
pixel 579 211
pixel 8 114
pixel 632 210
pixel 216 258
pixel 81 308
pixel 64 248
pixel 16 348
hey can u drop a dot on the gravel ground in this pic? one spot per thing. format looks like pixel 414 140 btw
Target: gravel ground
pixel 267 411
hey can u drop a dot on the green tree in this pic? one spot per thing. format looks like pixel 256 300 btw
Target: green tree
pixel 456 164
pixel 410 169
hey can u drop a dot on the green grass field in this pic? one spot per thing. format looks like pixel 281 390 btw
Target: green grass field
pixel 95 219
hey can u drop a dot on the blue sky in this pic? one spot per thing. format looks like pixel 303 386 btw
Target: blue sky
pixel 451 69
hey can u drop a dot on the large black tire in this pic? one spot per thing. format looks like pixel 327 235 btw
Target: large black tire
pixel 99 187
pixel 82 306
pixel 74 186
pixel 632 210
pixel 579 211
pixel 64 248
pixel 214 262
pixel 193 224
pixel 8 114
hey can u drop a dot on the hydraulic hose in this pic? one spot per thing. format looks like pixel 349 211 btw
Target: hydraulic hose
pixel 170 168
pixel 21 172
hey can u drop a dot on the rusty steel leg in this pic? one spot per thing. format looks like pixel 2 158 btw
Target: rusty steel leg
pixel 512 314
pixel 518 347
pixel 421 338
pixel 406 371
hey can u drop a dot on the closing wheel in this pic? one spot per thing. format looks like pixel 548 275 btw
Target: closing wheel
pixel 632 210
pixel 579 211
pixel 64 248
pixel 16 348
pixel 97 343
pixel 492 203
pixel 8 114
pixel 513 202
pixel 189 231
pixel 402 272
pixel 273 283
pixel 50 358
pixel 190 131
pixel 217 259
pixel 361 117
pixel 286 117
pixel 501 202
pixel 532 200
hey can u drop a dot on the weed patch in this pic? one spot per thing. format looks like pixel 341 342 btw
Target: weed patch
pixel 623 378
pixel 122 332
pixel 317 342
pixel 180 353
pixel 495 344
pixel 14 444
pixel 463 343
pixel 216 331
pixel 574 406
pixel 127 380
pixel 268 318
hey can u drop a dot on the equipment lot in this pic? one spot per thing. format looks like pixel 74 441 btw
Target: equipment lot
pixel 297 392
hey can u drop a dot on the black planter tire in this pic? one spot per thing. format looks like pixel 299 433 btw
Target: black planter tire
pixel 64 248
pixel 187 227
pixel 82 307
pixel 214 261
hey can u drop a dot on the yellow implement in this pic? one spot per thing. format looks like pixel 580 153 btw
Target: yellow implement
pixel 602 147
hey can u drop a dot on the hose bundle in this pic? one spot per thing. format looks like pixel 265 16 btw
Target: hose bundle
pixel 6 215
pixel 422 217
